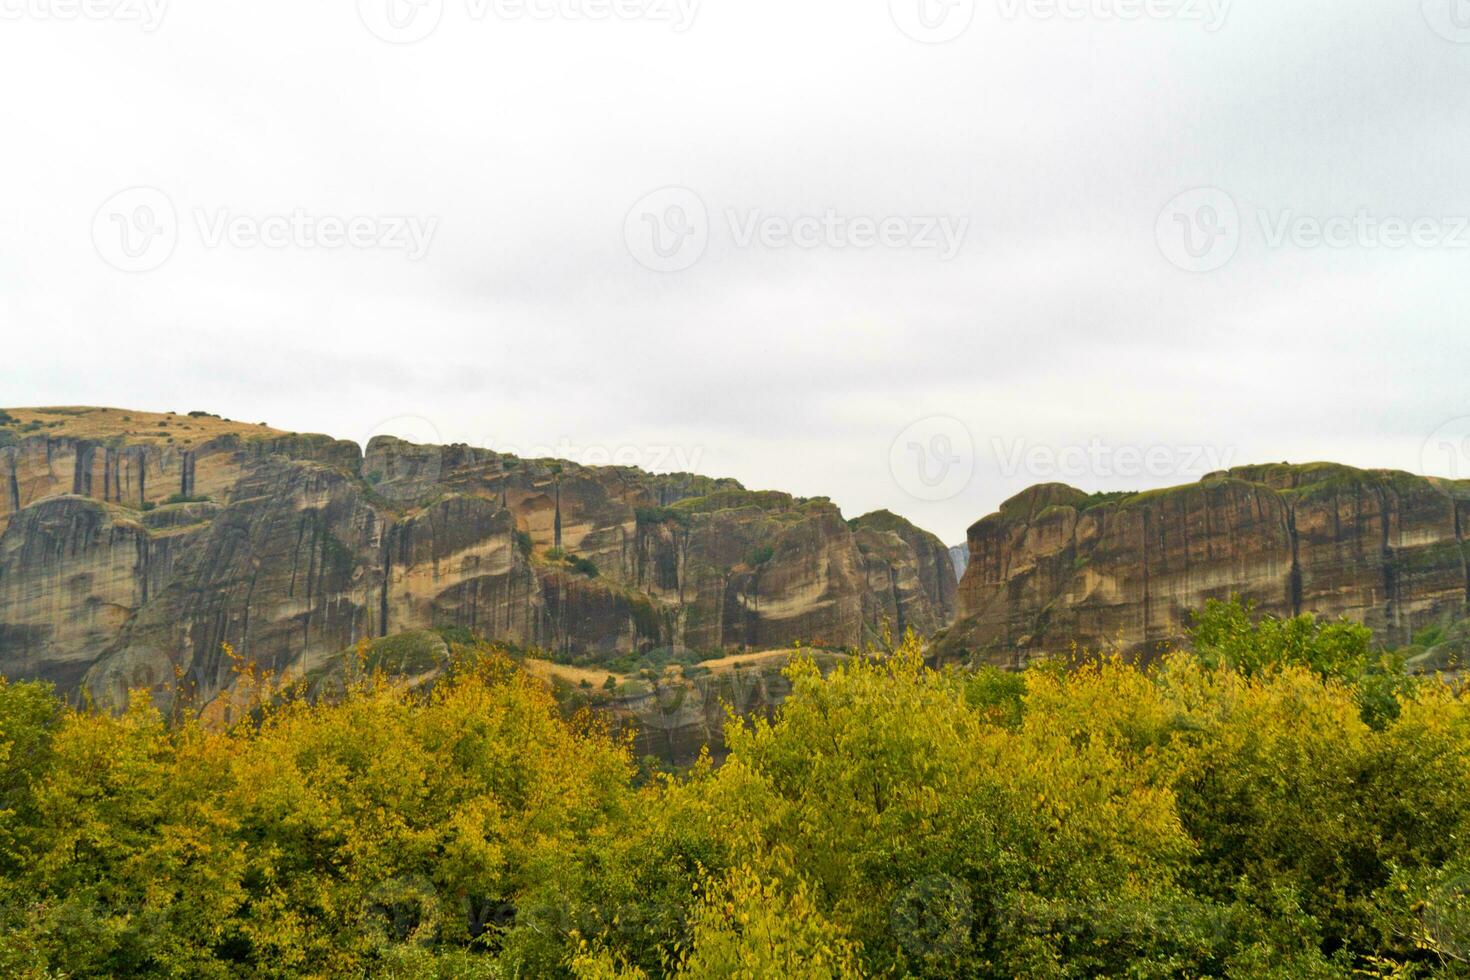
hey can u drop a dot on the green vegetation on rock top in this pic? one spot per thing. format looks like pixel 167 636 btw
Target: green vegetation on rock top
pixel 767 500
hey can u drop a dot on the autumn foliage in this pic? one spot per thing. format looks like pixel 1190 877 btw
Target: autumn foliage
pixel 1281 804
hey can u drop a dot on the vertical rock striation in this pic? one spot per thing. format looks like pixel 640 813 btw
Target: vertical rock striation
pixel 134 548
pixel 1056 566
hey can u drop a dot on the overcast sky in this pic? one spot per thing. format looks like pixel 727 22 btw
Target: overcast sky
pixel 797 242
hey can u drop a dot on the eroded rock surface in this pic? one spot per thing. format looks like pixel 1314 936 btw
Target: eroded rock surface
pixel 1123 571
pixel 135 547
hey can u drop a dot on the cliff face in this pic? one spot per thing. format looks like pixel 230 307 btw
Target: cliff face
pixel 1123 571
pixel 133 547
pixel 909 573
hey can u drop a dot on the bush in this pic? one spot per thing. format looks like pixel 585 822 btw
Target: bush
pixel 760 556
pixel 652 516
pixel 180 498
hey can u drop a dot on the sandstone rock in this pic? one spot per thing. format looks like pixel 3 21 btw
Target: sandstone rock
pixel 910 573
pixel 1123 571
pixel 134 547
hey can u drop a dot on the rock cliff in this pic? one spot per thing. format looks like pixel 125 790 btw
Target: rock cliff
pixel 1123 571
pixel 134 546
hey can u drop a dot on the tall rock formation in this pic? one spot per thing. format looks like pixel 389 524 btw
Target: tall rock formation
pixel 1056 566
pixel 134 547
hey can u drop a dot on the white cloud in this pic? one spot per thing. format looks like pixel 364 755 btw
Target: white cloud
pixel 527 321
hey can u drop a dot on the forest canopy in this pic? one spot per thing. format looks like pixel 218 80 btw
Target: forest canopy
pixel 1280 802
